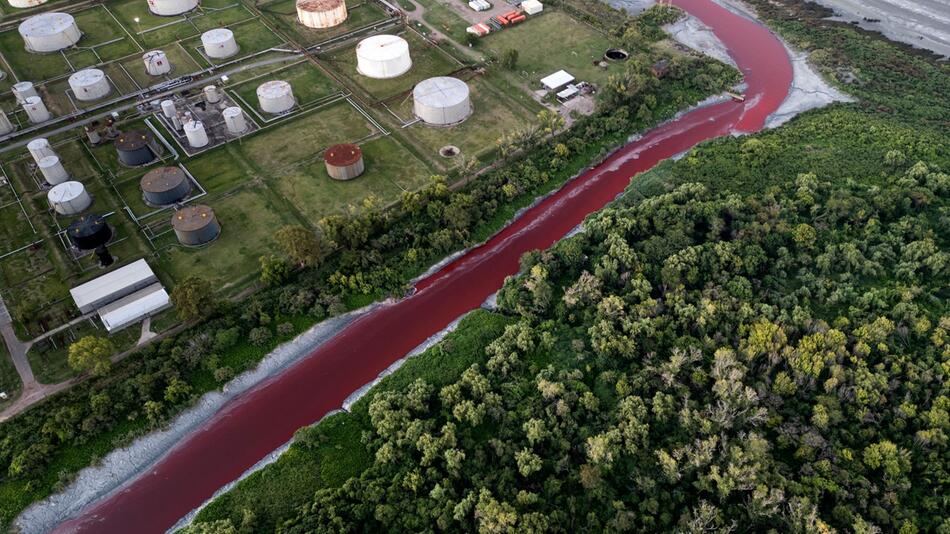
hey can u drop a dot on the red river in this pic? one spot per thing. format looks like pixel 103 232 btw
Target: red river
pixel 262 419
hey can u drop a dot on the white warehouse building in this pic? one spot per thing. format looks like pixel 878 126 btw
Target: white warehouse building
pixel 441 101
pixel 89 84
pixel 383 56
pixel 123 296
pixel 167 8
pixel 49 32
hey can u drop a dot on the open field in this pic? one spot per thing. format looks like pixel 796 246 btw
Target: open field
pixel 283 14
pixel 580 46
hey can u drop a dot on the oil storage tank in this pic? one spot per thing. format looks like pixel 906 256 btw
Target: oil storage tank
pixel 23 90
pixel 275 96
pixel 36 110
pixel 234 120
pixel 383 56
pixel 219 43
pixel 53 171
pixel 167 8
pixel 165 186
pixel 89 84
pixel 321 13
pixel 441 101
pixel 5 125
pixel 196 134
pixel 91 232
pixel 49 32
pixel 195 225
pixel 26 3
pixel 39 148
pixel 69 198
pixel 135 148
pixel 156 63
pixel 344 161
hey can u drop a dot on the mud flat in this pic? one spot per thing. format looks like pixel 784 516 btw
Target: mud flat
pixel 919 23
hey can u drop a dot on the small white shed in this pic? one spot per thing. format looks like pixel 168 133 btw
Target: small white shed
pixel 557 80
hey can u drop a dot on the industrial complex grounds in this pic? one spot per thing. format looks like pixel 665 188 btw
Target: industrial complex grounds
pixel 490 266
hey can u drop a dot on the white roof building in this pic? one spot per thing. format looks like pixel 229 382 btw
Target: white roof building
pixel 132 308
pixel 112 286
pixel 557 80
pixel 568 93
pixel 532 7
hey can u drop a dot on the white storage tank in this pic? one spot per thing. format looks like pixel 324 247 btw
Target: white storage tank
pixel 39 148
pixel 156 63
pixel 167 8
pixel 69 198
pixel 5 125
pixel 234 120
pixel 196 134
pixel 383 56
pixel 26 3
pixel 321 13
pixel 23 90
pixel 36 110
pixel 89 84
pixel 219 43
pixel 441 101
pixel 53 171
pixel 49 32
pixel 169 109
pixel 275 96
pixel 212 96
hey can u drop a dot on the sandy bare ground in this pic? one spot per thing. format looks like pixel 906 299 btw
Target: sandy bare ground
pixel 920 23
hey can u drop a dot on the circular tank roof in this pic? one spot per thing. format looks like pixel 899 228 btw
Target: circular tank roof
pixel 217 35
pixel 194 126
pixel 86 77
pixel 153 54
pixel 232 111
pixel 22 86
pixel 273 89
pixel 87 226
pixel 65 192
pixel 343 155
pixel 440 92
pixel 382 47
pixel 133 140
pixel 318 5
pixel 192 218
pixel 38 144
pixel 48 161
pixel 46 24
pixel 162 179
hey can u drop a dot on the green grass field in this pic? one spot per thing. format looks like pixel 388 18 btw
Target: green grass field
pixel 154 31
pixel 427 61
pixel 283 13
pixel 575 48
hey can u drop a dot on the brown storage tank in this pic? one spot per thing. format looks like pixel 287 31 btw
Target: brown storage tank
pixel 344 162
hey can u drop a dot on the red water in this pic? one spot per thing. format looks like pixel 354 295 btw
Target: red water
pixel 261 420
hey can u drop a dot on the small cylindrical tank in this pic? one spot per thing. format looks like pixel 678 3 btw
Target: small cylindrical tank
pixel 69 198
pixel 234 120
pixel 89 232
pixel 156 63
pixel 89 84
pixel 165 186
pixel 196 134
pixel 22 4
pixel 168 8
pixel 49 32
pixel 169 109
pixel 212 96
pixel 36 110
pixel 92 133
pixel 219 43
pixel 23 90
pixel 195 225
pixel 275 96
pixel 5 125
pixel 320 14
pixel 53 171
pixel 344 162
pixel 39 148
pixel 134 148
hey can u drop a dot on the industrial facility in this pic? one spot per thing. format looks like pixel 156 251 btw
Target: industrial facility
pixel 89 84
pixel 165 186
pixel 441 101
pixel 168 8
pixel 383 56
pixel 136 148
pixel 275 96
pixel 49 32
pixel 219 43
pixel 122 297
pixel 344 161
pixel 321 14
pixel 202 120
pixel 195 225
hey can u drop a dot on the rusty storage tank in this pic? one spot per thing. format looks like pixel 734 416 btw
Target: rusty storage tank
pixel 135 148
pixel 321 14
pixel 165 186
pixel 344 162
pixel 195 225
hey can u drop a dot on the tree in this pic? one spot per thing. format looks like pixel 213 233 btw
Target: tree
pixel 91 353
pixel 192 297
pixel 509 59
pixel 274 270
pixel 302 246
